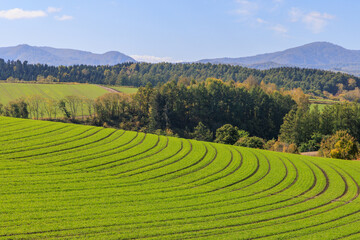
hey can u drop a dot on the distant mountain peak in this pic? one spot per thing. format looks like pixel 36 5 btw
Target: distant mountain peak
pixel 320 55
pixel 58 56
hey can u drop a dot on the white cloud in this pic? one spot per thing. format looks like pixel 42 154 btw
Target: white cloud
pixel 153 59
pixel 250 11
pixel 315 21
pixel 18 13
pixel 246 8
pixel 64 18
pixel 276 5
pixel 279 28
pixel 261 21
pixel 53 10
pixel 295 14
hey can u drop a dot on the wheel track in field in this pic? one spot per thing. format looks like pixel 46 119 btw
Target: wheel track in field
pixel 103 226
pixel 24 129
pixel 149 164
pixel 230 226
pixel 157 168
pixel 220 178
pixel 124 150
pixel 334 200
pixel 202 216
pixel 94 154
pixel 137 154
pixel 329 202
pixel 101 152
pixel 347 202
pixel 50 144
pixel 66 149
pixel 320 213
pixel 117 160
pixel 231 212
pixel 143 157
pixel 39 136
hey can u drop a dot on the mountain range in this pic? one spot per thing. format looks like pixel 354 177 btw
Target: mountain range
pixel 319 55
pixel 57 56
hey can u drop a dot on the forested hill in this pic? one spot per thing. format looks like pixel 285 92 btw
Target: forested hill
pixel 59 56
pixel 319 55
pixel 139 74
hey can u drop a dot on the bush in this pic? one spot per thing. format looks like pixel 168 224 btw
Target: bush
pixel 243 133
pixel 17 109
pixel 279 146
pixel 292 148
pixel 313 144
pixel 202 133
pixel 227 134
pixel 251 142
pixel 340 145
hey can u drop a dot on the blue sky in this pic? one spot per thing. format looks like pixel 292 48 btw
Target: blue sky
pixel 179 30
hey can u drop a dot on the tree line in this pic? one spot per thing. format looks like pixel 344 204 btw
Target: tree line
pixel 172 108
pixel 335 130
pixel 314 81
pixel 248 114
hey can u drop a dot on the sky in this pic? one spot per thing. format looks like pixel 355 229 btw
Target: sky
pixel 179 30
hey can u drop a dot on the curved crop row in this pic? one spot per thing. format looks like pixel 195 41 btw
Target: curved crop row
pixel 74 182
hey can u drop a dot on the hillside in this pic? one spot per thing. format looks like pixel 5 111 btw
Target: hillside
pixel 319 55
pixel 57 56
pixel 75 182
pixel 140 74
pixel 12 91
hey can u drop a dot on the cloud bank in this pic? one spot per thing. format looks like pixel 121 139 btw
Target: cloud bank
pixel 153 59
pixel 315 21
pixel 63 18
pixel 18 13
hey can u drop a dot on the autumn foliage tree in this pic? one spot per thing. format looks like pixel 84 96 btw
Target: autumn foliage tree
pixel 113 107
pixel 340 145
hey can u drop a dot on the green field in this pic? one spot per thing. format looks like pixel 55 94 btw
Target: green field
pixel 322 103
pixel 320 106
pixel 65 181
pixel 12 91
pixel 124 89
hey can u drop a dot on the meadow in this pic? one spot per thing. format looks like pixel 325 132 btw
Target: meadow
pixel 12 91
pixel 322 103
pixel 66 181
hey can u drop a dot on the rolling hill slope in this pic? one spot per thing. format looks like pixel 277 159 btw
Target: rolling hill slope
pixel 75 182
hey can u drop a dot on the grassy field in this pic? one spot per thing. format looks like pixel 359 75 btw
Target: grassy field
pixel 124 89
pixel 320 106
pixel 322 103
pixel 12 91
pixel 65 181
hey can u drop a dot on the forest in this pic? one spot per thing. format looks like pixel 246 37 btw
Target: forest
pixel 171 108
pixel 317 82
pixel 222 103
pixel 249 114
